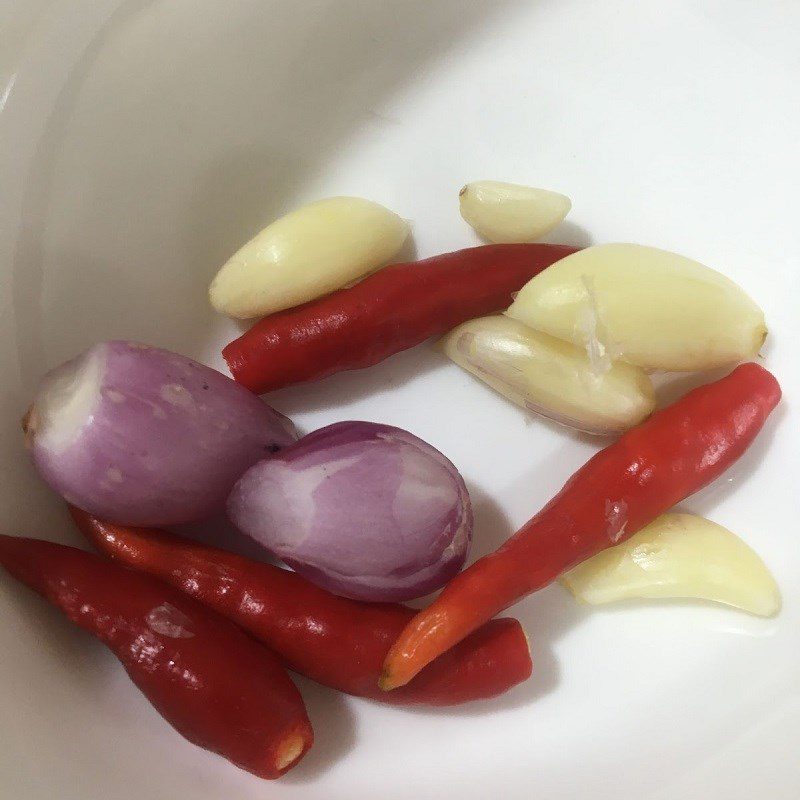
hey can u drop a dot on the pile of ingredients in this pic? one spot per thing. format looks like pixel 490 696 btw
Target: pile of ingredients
pixel 137 440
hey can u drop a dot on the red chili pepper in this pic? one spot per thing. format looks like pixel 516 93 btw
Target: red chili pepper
pixel 392 310
pixel 338 642
pixel 209 680
pixel 620 490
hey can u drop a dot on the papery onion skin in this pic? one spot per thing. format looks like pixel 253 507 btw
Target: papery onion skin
pixel 368 511
pixel 143 436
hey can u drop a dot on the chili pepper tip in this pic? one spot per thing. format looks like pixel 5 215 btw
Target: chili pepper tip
pixel 385 682
pixel 289 751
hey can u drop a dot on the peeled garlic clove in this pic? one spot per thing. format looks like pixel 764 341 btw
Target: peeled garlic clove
pixel 678 556
pixel 309 252
pixel 649 307
pixel 550 376
pixel 507 212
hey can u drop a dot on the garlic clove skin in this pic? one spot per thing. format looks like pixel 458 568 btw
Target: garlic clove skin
pixel 678 556
pixel 551 377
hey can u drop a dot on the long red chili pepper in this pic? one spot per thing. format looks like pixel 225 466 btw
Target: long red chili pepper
pixel 337 642
pixel 672 455
pixel 209 680
pixel 392 310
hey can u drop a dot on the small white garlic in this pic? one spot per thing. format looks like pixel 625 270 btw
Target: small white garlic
pixel 507 212
pixel 551 377
pixel 310 252
pixel 678 556
pixel 655 309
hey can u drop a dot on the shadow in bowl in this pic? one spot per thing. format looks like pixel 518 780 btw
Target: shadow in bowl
pixel 569 233
pixel 220 532
pixel 672 386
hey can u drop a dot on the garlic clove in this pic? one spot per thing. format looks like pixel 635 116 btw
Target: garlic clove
pixel 507 212
pixel 678 556
pixel 310 252
pixel 652 308
pixel 551 377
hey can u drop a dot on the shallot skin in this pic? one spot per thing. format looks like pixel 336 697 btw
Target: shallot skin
pixel 143 436
pixel 364 510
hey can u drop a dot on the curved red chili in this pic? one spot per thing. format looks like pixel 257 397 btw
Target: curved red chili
pixel 624 487
pixel 394 309
pixel 214 684
pixel 338 642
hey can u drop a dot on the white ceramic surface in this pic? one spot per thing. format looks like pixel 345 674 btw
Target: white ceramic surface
pixel 142 142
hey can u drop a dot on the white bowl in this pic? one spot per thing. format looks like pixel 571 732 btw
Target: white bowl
pixel 142 142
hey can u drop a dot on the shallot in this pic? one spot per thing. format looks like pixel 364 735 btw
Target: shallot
pixel 143 436
pixel 367 511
